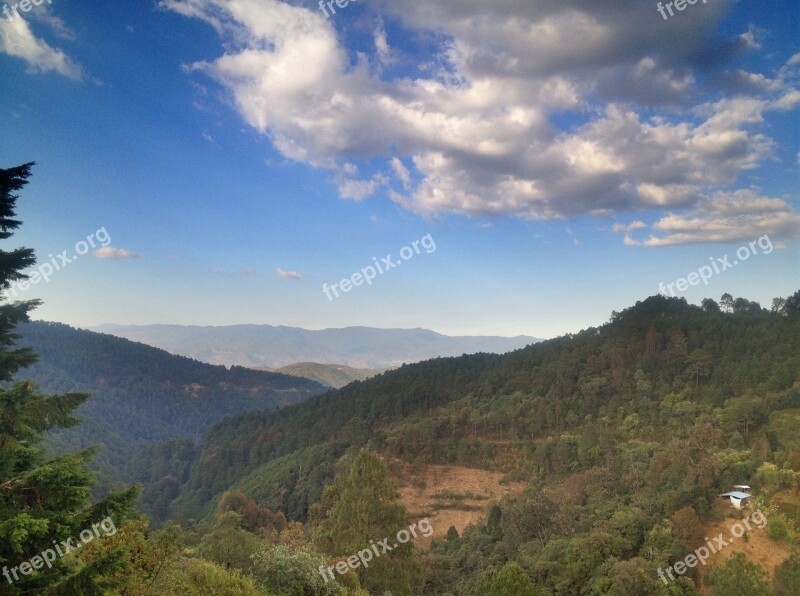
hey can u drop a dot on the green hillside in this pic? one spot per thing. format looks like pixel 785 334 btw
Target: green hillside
pixel 612 430
pixel 142 395
pixel 613 443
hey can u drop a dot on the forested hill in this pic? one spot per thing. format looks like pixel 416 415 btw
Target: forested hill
pixel 652 374
pixel 142 395
pixel 331 375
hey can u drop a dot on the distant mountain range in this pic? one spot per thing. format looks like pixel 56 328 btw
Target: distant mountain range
pixel 259 346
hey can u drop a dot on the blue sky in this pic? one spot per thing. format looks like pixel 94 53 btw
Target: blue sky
pixel 565 158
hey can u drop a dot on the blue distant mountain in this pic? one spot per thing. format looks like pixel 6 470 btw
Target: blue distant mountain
pixel 277 346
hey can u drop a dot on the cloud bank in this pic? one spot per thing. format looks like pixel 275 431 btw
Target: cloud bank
pixel 543 111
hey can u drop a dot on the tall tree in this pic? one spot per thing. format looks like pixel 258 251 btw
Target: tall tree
pixel 726 302
pixel 778 305
pixel 710 305
pixel 698 364
pixel 41 501
pixel 363 508
pixel 792 304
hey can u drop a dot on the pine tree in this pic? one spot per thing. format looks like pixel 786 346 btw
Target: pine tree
pixel 363 508
pixel 42 501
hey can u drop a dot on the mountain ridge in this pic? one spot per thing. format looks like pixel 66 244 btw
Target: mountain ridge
pixel 271 346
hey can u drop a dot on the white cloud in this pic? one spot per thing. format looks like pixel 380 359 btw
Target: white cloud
pixel 474 128
pixel 111 252
pixel 787 101
pixel 382 49
pixel 359 190
pixel 726 217
pixel 17 40
pixel 282 274
pixel 402 173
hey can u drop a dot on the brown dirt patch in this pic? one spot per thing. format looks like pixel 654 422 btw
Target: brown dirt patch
pixel 759 548
pixel 451 496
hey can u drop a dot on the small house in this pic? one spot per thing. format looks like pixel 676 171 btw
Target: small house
pixel 738 498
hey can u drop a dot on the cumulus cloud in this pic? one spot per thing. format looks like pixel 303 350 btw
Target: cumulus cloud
pixel 17 40
pixel 725 217
pixel 111 252
pixel 475 130
pixel 283 274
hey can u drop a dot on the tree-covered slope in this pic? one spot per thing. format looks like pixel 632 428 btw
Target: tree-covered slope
pixel 655 366
pixel 623 437
pixel 142 395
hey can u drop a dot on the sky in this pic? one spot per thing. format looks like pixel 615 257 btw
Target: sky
pixel 553 160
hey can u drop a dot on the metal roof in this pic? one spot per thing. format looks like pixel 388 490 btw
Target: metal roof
pixel 737 495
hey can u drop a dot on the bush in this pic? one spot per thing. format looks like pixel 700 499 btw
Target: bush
pixel 292 571
pixel 198 577
pixel 778 528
